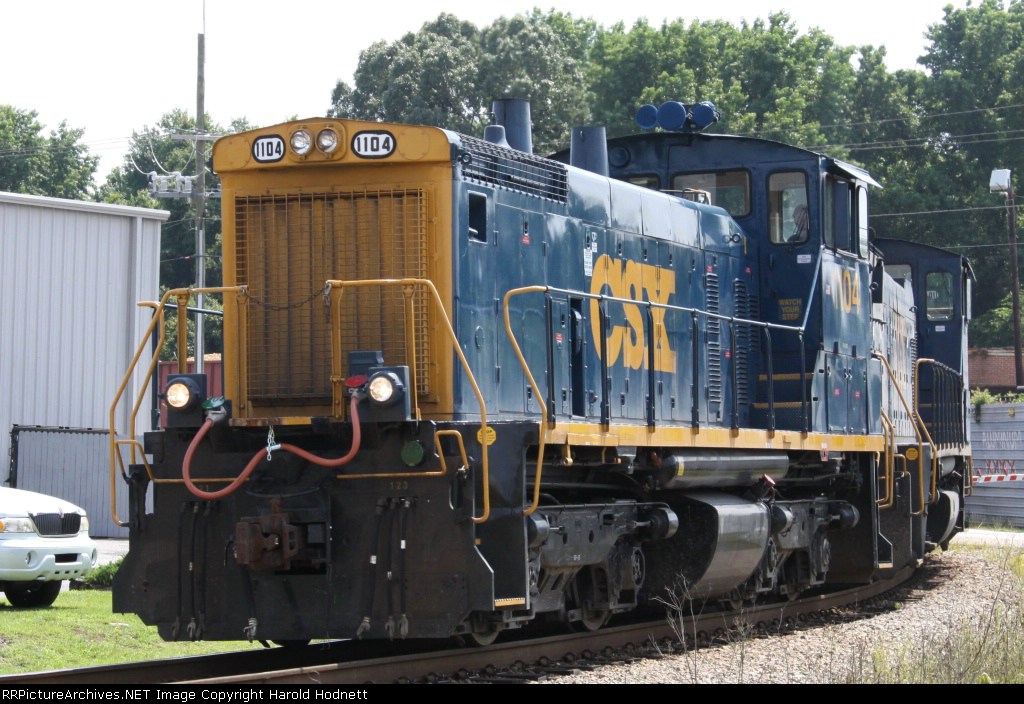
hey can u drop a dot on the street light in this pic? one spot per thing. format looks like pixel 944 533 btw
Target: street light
pixel 1002 182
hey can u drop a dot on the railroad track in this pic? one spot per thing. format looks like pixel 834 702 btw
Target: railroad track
pixel 517 659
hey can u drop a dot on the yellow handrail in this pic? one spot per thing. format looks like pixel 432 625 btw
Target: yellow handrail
pixel 917 432
pixel 116 461
pixel 889 463
pixel 917 404
pixel 334 289
pixel 542 434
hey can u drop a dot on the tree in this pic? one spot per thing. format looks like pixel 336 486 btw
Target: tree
pixel 970 122
pixel 448 73
pixel 527 57
pixel 428 77
pixel 59 165
pixel 765 77
pixel 153 151
pixel 994 328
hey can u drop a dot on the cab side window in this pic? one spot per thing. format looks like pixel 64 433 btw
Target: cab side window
pixel 939 295
pixel 789 218
pixel 477 217
pixel 727 189
pixel 840 224
pixel 862 221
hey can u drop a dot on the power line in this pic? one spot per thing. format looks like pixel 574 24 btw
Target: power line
pixel 938 212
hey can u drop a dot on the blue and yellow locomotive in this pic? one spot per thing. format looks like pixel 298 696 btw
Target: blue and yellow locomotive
pixel 468 387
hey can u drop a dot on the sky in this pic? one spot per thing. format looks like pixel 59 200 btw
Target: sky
pixel 116 66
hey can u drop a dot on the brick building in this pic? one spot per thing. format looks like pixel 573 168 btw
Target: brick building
pixel 991 369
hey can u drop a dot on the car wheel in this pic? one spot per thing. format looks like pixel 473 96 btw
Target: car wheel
pixel 32 594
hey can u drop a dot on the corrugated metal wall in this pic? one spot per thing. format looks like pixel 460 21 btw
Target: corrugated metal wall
pixel 996 504
pixel 997 443
pixel 71 274
pixel 73 465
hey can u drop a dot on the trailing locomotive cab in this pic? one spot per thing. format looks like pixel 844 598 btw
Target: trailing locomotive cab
pixel 848 373
pixel 467 387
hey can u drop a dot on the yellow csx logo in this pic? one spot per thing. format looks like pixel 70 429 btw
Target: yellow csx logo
pixel 639 282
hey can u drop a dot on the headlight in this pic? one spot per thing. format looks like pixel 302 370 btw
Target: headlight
pixel 83 527
pixel 179 395
pixel 17 525
pixel 301 142
pixel 327 141
pixel 385 388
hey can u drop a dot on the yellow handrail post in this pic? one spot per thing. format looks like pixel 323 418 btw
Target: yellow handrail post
pixel 917 432
pixel 934 490
pixel 183 298
pixel 436 297
pixel 157 322
pixel 543 425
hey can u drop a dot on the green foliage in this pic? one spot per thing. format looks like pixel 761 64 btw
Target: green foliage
pixel 981 397
pixel 100 578
pixel 448 72
pixel 428 77
pixel 80 629
pixel 155 151
pixel 994 328
pixel 59 165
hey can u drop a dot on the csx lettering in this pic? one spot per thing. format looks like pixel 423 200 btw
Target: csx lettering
pixel 639 282
pixel 846 290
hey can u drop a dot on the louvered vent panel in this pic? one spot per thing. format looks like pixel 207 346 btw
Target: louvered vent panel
pixel 714 339
pixel 745 339
pixel 289 245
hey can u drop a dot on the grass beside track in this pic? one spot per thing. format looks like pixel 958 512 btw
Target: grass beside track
pixel 80 630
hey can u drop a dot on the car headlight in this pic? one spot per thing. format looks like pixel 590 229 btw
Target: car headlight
pixel 385 388
pixel 301 142
pixel 83 527
pixel 17 525
pixel 327 141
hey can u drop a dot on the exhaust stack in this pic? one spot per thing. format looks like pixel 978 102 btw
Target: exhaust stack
pixel 514 115
pixel 588 149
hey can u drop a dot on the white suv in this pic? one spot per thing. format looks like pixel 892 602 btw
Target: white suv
pixel 43 541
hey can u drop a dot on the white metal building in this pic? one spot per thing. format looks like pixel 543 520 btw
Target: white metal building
pixel 71 274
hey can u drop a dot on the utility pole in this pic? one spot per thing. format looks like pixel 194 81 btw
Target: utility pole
pixel 1018 364
pixel 1002 182
pixel 200 198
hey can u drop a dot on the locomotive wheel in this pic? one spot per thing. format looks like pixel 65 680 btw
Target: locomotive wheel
pixel 483 638
pixel 590 584
pixel 592 620
pixel 482 632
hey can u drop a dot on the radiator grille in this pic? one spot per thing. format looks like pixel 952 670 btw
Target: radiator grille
pixel 54 524
pixel 714 339
pixel 289 245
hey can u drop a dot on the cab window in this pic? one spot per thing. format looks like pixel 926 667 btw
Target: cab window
pixel 645 180
pixel 901 272
pixel 788 215
pixel 939 295
pixel 862 221
pixel 839 222
pixel 727 189
pixel 477 217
